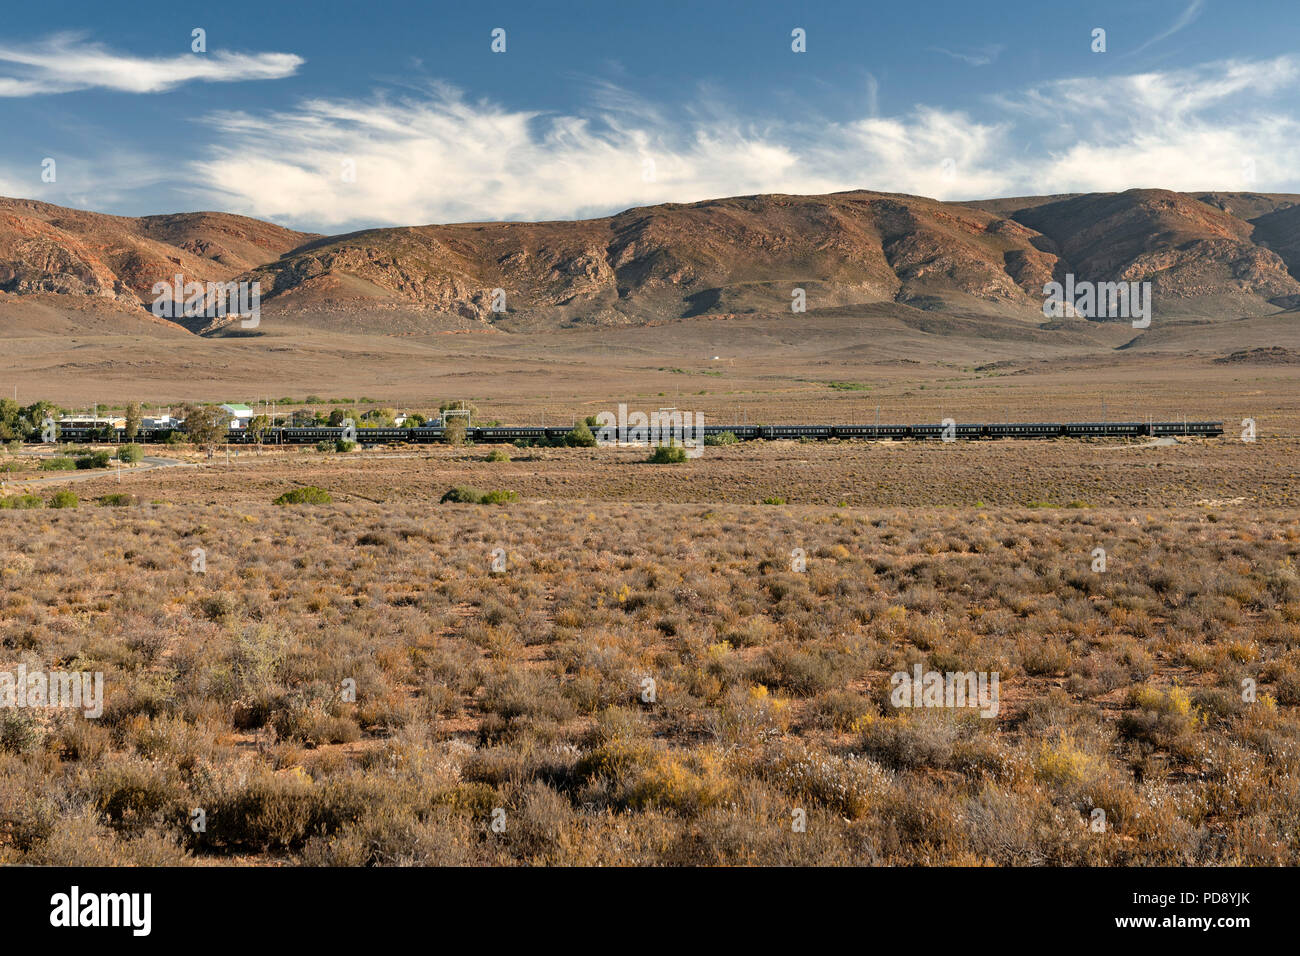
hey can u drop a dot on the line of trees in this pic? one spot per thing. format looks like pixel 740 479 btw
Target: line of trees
pixel 206 424
pixel 20 422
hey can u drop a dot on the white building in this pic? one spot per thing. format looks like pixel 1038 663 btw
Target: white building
pixel 240 415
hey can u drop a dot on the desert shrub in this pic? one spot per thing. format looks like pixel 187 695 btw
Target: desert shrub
pixel 752 714
pixel 218 607
pixel 1062 763
pixel 343 445
pixel 687 784
pixel 64 499
pixel 801 671
pixel 94 459
pixel 310 721
pixel 580 437
pixel 1044 657
pixel 498 454
pixel 617 750
pixel 130 792
pixel 130 454
pixel 268 812
pixel 118 499
pixel 721 438
pixel 1287 690
pixel 306 495
pixel 523 694
pixel 629 770
pixel 846 785
pixel 1164 719
pixel 21 731
pixel 774 500
pixel 325 446
pixel 543 825
pixel 668 455
pixel 464 494
pixel 22 502
pixel 908 743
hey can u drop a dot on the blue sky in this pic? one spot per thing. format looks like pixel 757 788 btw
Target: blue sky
pixel 330 116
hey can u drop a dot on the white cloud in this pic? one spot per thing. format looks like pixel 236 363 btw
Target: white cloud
pixel 981 56
pixel 439 157
pixel 1204 128
pixel 1192 11
pixel 442 158
pixel 65 62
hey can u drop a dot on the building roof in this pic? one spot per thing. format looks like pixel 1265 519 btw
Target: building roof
pixel 237 407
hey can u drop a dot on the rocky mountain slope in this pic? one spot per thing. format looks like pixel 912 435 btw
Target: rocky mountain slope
pixel 71 252
pixel 1205 253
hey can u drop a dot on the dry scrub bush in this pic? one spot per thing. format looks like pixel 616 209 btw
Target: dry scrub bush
pixel 524 690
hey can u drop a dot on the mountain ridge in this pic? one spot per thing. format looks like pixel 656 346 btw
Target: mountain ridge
pixel 1204 253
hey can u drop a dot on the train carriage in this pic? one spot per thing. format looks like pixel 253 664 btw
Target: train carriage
pixel 775 432
pixel 510 433
pixel 1025 430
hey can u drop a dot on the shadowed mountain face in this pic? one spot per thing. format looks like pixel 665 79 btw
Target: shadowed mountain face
pixel 1189 247
pixel 1207 253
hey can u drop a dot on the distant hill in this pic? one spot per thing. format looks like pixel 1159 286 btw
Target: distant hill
pixel 47 249
pixel 1206 254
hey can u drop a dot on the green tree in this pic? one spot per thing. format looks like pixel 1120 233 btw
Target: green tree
pixel 205 424
pixel 460 405
pixel 11 423
pixel 130 454
pixel 454 431
pixel 36 414
pixel 258 426
pixel 132 421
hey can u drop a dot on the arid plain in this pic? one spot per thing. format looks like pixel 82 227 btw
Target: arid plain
pixel 519 687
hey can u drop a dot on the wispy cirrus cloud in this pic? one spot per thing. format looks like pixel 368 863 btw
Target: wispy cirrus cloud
pixel 982 56
pixel 1184 20
pixel 441 157
pixel 66 62
pixel 444 158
